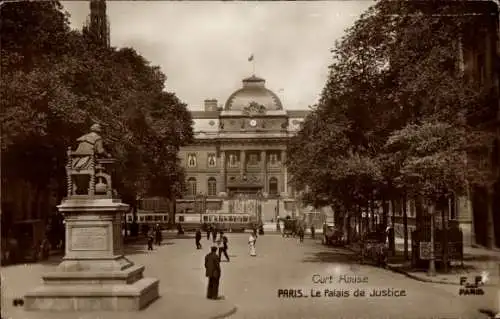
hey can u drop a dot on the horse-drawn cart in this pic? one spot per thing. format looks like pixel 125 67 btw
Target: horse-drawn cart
pixel 290 227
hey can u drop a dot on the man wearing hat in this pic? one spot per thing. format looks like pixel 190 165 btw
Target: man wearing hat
pixel 213 272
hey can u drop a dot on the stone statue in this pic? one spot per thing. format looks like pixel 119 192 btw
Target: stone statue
pixel 85 170
pixel 91 142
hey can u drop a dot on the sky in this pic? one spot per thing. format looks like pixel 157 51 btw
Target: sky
pixel 203 47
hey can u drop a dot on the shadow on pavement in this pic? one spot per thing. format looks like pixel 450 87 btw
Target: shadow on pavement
pixel 142 249
pixel 336 255
pixel 470 257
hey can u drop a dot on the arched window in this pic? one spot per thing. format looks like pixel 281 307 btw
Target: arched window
pixel 273 186
pixel 212 186
pixel 191 186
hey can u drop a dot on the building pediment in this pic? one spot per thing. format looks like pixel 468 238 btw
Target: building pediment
pixel 254 108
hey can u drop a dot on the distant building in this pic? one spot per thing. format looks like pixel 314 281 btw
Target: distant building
pixel 239 153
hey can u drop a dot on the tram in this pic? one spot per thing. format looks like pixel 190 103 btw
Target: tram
pixel 223 221
pixel 150 218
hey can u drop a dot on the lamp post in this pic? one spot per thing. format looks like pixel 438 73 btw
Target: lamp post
pixel 200 204
pixel 277 211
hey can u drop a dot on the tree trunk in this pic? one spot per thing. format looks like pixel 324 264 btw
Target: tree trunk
pixel 445 215
pixel 372 214
pixel 490 228
pixel 392 233
pixel 385 211
pixel 405 227
pixel 432 262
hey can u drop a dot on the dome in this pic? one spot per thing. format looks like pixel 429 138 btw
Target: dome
pixel 253 90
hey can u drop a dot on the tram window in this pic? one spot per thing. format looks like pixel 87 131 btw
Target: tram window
pixel 230 218
pixel 245 219
pixel 157 218
pixel 210 218
pixel 129 218
pixel 141 218
pixel 165 218
pixel 149 218
pixel 205 218
pixel 216 218
pixel 181 219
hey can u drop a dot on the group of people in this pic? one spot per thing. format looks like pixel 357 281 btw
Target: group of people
pixel 221 243
pixel 213 259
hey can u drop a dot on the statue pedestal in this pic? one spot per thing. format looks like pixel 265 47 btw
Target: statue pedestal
pixel 94 274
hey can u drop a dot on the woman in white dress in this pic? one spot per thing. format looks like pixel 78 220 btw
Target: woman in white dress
pixel 251 243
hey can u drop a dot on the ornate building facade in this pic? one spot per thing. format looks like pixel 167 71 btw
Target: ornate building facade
pixel 239 152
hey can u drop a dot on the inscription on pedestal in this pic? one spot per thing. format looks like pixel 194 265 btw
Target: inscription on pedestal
pixel 89 238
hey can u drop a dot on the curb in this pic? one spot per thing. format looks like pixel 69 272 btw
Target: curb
pixel 417 278
pixel 226 314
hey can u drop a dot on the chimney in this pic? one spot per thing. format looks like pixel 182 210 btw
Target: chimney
pixel 211 105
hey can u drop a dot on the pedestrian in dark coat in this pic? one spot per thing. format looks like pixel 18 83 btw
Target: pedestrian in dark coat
pixel 150 240
pixel 197 239
pixel 213 272
pixel 223 246
pixel 209 230
pixel 214 233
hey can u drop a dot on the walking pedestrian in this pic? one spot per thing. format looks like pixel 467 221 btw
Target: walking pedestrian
pixel 223 247
pixel 197 238
pixel 313 232
pixel 213 272
pixel 251 243
pixel 208 230
pixel 301 234
pixel 150 240
pixel 214 233
pixel 158 235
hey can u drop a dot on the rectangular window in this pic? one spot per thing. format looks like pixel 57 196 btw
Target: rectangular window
pixel 212 187
pixel 233 161
pixel 181 219
pixel 205 219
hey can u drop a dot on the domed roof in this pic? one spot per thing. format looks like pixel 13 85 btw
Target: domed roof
pixel 253 90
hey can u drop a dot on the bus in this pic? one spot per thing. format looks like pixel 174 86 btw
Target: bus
pixel 223 221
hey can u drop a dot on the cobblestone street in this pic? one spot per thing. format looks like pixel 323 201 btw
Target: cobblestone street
pixel 251 285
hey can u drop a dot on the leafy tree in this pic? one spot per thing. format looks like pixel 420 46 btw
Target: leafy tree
pixel 392 87
pixel 55 83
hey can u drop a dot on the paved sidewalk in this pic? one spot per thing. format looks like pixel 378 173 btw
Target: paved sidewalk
pixel 182 286
pixel 476 261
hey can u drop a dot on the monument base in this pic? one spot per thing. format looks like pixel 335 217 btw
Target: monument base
pixel 106 297
pixel 94 275
pixel 94 287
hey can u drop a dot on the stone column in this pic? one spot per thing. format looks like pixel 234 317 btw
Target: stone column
pixel 242 162
pixel 222 180
pixel 263 163
pixel 284 172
